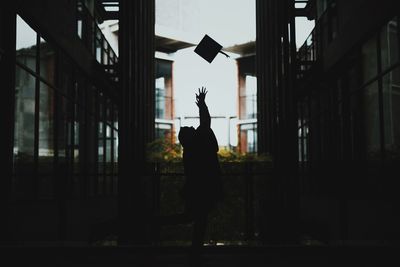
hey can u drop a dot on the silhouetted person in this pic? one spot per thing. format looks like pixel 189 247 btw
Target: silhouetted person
pixel 203 187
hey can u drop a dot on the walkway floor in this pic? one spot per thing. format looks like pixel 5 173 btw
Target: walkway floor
pixel 210 257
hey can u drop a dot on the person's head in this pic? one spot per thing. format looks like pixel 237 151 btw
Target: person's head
pixel 186 136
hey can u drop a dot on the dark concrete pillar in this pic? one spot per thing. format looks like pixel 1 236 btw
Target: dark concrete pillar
pixel 277 119
pixel 136 125
pixel 7 85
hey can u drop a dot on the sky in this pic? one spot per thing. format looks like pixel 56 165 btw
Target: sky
pixel 229 21
pixel 25 36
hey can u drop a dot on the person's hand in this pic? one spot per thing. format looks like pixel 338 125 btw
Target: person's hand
pixel 200 98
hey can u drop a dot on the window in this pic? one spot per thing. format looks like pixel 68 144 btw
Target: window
pixel 160 97
pixel 391 112
pixel 248 137
pixel 24 116
pixel 251 97
pixel 64 126
pixel 389 44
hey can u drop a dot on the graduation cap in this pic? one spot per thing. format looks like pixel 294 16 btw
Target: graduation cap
pixel 208 48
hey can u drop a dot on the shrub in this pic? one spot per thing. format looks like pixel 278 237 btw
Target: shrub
pixel 163 150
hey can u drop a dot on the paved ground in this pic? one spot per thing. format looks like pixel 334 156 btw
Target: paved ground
pixel 210 256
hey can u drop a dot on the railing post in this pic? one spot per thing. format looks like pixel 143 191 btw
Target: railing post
pixel 156 180
pixel 249 201
pixel 156 188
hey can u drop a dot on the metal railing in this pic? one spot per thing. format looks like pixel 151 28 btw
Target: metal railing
pixel 324 32
pixel 94 40
pixel 236 219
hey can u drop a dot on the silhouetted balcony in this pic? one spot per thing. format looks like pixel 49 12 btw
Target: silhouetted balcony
pixel 324 32
pixel 94 40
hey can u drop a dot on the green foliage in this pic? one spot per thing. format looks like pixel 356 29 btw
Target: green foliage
pixel 164 150
pixel 229 155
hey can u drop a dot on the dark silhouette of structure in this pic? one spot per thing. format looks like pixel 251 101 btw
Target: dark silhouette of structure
pixel 203 185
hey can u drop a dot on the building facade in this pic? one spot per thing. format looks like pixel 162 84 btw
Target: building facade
pixel 65 130
pixel 348 138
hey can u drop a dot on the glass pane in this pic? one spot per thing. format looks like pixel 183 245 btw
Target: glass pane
pixel 63 133
pixel 305 138
pixel 108 152
pixel 369 57
pixel 322 5
pixel 98 51
pixel 76 185
pixel 391 113
pixel 24 116
pixel 389 44
pixel 112 57
pixel 251 85
pixel 26 39
pixel 79 28
pixel 115 137
pixel 160 98
pixel 46 142
pixel 251 93
pixel 101 129
pixel 163 130
pixel 92 130
pixel 76 139
pixel 115 146
pixel 98 33
pixel 79 20
pixel 24 133
pixel 248 138
pixel 371 120
pixel 100 150
pixel 46 129
pixel 101 141
pixel 47 61
pixel 105 53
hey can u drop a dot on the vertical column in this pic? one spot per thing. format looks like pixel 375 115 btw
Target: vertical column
pixel 291 142
pixel 267 83
pixel 136 129
pixel 261 72
pixel 277 116
pixel 7 82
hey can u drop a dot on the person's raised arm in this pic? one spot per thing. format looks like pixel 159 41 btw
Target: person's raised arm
pixel 205 118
